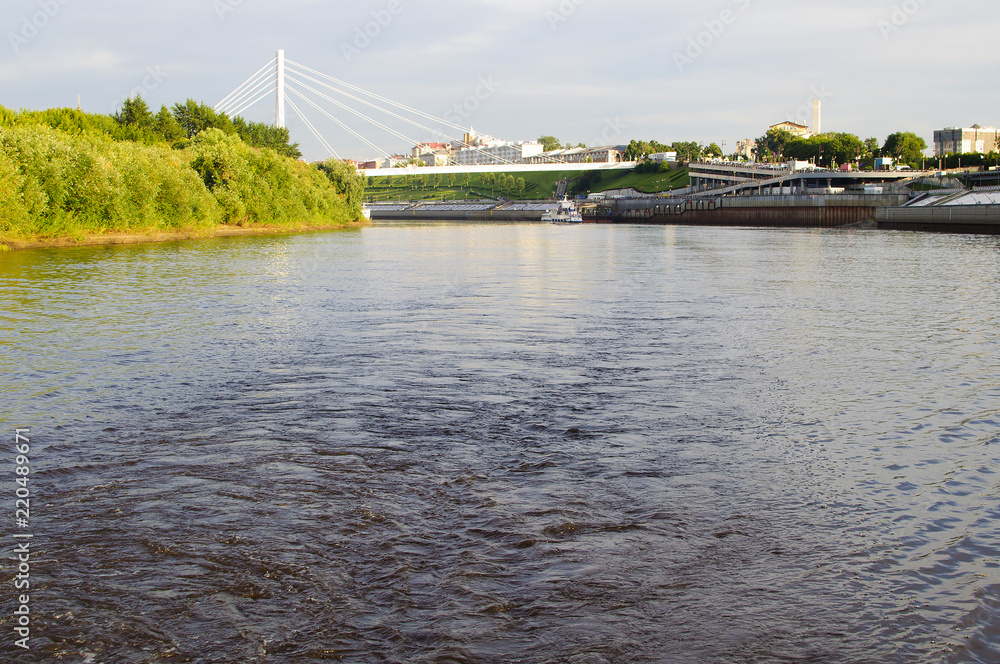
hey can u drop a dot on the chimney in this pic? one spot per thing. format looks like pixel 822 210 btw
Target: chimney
pixel 817 116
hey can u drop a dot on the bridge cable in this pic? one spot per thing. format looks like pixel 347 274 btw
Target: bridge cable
pixel 397 116
pixel 427 116
pixel 353 111
pixel 308 124
pixel 248 91
pixel 266 86
pixel 340 123
pixel 269 65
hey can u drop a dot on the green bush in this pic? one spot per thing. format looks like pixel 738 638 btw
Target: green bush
pixel 258 186
pixel 78 179
pixel 66 184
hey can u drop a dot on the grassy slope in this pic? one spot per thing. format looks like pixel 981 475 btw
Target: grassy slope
pixel 540 185
pixel 645 182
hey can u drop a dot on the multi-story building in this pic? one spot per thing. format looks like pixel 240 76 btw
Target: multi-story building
pixel 793 128
pixel 745 148
pixel 420 149
pixel 506 153
pixel 438 158
pixel 395 160
pixel 954 140
pixel 608 154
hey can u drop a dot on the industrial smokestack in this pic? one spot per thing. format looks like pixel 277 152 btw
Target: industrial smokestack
pixel 817 116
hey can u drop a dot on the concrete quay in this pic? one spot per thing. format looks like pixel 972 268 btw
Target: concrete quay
pixel 884 211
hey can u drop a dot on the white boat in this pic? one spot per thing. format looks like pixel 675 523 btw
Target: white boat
pixel 566 213
pixel 366 211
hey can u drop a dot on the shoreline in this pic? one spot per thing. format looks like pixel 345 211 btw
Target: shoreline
pixel 113 238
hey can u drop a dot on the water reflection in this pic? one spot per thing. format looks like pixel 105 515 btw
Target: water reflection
pixel 493 443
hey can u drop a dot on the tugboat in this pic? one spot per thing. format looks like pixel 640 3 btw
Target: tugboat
pixel 566 213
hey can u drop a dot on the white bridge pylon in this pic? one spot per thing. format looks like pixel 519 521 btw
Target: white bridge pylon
pixel 292 83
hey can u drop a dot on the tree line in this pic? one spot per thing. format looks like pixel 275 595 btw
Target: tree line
pixel 65 172
pixel 176 126
pixel 830 149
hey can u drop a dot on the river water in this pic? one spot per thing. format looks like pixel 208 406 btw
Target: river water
pixel 508 443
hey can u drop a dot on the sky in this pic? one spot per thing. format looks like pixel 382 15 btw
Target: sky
pixel 591 71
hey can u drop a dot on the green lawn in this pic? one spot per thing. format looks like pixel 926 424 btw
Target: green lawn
pixel 648 183
pixel 538 185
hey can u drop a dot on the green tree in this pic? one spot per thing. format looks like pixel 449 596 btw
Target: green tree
pixel 165 124
pixel 713 150
pixel 686 150
pixel 905 147
pixel 845 148
pixel 520 185
pixel 135 112
pixel 637 150
pixel 549 143
pixel 825 149
pixel 773 143
pixel 872 148
pixel 194 118
pixel 347 181
pixel 262 135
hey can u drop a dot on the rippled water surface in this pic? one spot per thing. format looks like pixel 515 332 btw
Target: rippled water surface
pixel 524 443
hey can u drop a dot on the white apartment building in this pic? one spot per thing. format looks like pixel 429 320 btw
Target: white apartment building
pixel 507 153
pixel 955 140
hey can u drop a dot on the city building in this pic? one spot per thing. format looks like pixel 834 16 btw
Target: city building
pixel 395 160
pixel 955 140
pixel 793 128
pixel 745 148
pixel 504 153
pixel 608 154
pixel 420 149
pixel 483 150
pixel 438 158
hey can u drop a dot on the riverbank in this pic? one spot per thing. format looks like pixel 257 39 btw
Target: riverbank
pixel 112 238
pixel 59 188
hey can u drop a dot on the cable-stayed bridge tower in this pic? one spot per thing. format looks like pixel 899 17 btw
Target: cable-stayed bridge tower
pixel 292 83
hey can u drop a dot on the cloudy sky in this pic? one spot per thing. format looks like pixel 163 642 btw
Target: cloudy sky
pixel 592 71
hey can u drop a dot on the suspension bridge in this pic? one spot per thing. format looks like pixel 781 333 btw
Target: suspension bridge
pixel 295 87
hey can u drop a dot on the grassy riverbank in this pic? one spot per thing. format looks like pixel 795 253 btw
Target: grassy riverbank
pixel 66 185
pixel 537 184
